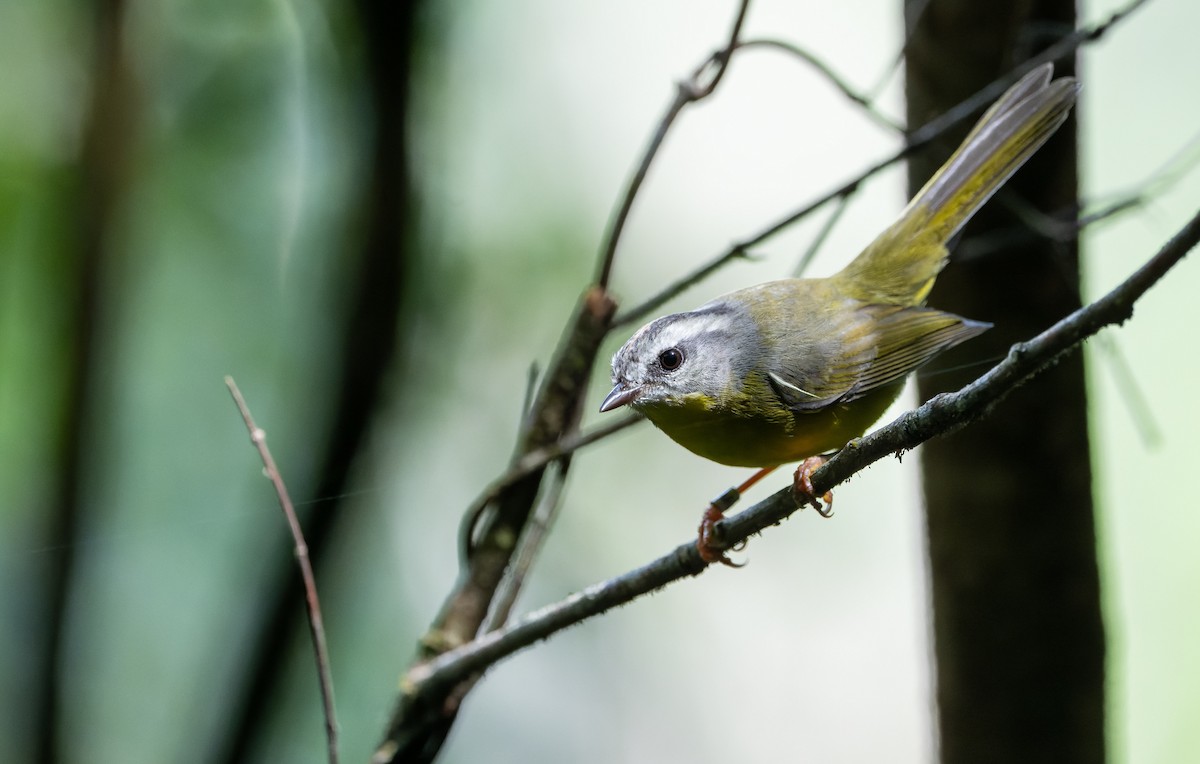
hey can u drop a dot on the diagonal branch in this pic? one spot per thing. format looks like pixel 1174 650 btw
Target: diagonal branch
pixel 426 683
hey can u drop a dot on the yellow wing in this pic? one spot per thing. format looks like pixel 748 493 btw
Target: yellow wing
pixel 878 346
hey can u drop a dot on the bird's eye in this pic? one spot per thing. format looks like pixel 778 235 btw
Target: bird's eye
pixel 670 359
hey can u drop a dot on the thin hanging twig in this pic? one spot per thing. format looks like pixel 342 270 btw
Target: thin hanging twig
pixel 316 626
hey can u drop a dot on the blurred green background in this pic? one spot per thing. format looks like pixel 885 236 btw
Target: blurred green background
pixel 230 251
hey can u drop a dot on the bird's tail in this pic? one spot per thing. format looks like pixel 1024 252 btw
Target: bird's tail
pixel 901 264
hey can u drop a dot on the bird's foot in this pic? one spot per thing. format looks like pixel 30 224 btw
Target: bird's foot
pixel 802 488
pixel 710 543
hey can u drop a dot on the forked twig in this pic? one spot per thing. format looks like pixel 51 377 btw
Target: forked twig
pixel 316 626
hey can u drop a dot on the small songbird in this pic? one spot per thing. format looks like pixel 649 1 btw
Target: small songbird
pixel 791 369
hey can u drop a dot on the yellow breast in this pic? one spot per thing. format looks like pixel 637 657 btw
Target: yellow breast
pixel 741 434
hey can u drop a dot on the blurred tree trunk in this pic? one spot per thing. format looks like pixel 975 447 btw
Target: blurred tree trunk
pixel 87 257
pixel 1016 604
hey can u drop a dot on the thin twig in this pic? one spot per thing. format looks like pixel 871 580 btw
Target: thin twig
pixel 741 248
pixel 1132 396
pixel 531 381
pixel 1064 47
pixel 532 462
pixel 686 92
pixel 531 542
pixel 316 626
pixel 818 241
pixel 1157 182
pixel 940 415
pixel 827 72
pixel 657 300
pixel 1059 226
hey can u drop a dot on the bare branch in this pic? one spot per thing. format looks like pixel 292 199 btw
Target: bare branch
pixel 814 246
pixel 741 248
pixel 686 92
pixel 827 72
pixel 532 462
pixel 640 311
pixel 942 414
pixel 1065 225
pixel 1059 50
pixel 316 626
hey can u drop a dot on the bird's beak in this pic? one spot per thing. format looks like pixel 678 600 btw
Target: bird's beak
pixel 619 396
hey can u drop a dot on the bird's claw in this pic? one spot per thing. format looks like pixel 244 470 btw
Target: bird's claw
pixel 709 544
pixel 802 488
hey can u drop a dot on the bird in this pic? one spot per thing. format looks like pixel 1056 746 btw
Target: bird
pixel 792 369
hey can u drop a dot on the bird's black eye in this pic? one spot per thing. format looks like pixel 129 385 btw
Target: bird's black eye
pixel 670 359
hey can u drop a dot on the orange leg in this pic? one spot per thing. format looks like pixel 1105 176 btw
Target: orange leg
pixel 802 487
pixel 709 544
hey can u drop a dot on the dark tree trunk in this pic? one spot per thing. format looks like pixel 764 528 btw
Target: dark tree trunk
pixel 1016 601
pixel 87 258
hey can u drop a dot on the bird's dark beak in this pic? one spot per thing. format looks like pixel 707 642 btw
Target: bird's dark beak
pixel 619 396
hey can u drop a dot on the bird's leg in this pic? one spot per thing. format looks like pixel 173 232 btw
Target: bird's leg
pixel 802 488
pixel 709 543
